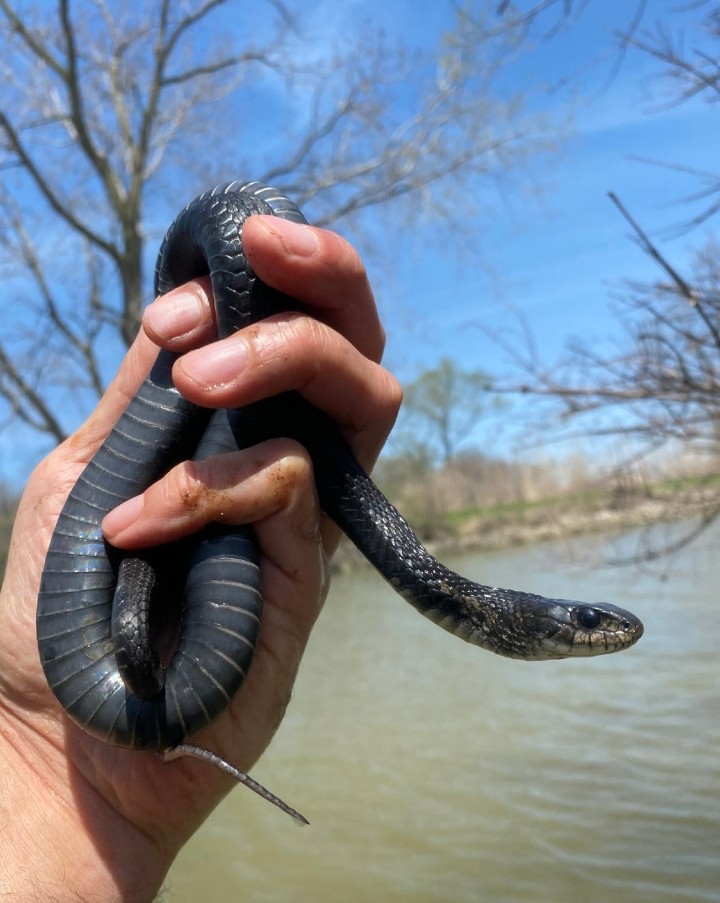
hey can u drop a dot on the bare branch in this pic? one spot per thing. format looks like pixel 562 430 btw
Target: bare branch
pixel 47 190
pixel 650 248
pixel 230 62
pixel 77 113
pixel 51 309
pixel 652 551
pixel 25 401
pixel 663 386
pixel 30 38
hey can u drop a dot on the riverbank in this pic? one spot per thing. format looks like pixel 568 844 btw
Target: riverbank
pixel 522 523
pixel 575 514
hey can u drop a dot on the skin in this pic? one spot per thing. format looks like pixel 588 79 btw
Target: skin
pixel 80 820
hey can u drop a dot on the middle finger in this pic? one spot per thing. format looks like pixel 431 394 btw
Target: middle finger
pixel 295 352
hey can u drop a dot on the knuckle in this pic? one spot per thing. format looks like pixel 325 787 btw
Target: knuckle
pixel 353 262
pixel 393 392
pixel 289 472
pixel 188 486
pixel 383 407
pixel 298 341
pixel 290 485
pixel 379 343
pixel 320 344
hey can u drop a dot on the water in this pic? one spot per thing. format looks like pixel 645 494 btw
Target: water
pixel 433 771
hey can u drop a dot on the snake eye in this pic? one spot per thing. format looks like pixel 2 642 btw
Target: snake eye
pixel 588 617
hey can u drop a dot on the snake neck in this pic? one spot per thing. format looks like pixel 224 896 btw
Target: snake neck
pixel 349 496
pixel 498 620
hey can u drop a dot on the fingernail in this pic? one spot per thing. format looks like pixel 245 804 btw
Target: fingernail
pixel 174 314
pixel 217 364
pixel 295 237
pixel 123 516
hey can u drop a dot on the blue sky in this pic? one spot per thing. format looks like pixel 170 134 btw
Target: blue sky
pixel 550 246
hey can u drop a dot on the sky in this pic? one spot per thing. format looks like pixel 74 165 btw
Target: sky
pixel 551 246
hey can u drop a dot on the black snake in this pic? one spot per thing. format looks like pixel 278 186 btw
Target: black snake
pixel 93 641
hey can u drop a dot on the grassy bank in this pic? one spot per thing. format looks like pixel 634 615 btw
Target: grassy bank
pixel 572 514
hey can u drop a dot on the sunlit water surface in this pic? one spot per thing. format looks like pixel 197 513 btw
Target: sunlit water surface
pixel 434 771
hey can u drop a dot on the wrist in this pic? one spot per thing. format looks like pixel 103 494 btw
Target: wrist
pixel 59 838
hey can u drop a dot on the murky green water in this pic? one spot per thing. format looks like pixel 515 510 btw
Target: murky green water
pixel 432 771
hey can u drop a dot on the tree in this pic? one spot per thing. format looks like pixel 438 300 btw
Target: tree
pixel 691 69
pixel 661 386
pixel 107 113
pixel 444 405
pixel 664 380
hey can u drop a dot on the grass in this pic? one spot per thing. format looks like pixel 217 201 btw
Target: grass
pixel 586 500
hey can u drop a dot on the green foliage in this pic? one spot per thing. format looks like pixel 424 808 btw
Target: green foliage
pixel 444 405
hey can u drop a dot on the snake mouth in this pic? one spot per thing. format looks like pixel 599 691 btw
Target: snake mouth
pixel 608 639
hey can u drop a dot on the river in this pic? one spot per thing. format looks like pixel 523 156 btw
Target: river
pixel 433 771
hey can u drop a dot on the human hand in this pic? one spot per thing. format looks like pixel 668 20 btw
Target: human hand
pixel 104 821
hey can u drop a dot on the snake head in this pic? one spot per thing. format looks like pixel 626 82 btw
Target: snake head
pixel 571 629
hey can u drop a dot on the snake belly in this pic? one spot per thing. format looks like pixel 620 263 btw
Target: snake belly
pixel 93 673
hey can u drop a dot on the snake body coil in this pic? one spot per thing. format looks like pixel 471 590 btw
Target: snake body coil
pixel 95 641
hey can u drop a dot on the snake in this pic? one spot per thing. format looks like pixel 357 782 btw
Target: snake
pixel 99 608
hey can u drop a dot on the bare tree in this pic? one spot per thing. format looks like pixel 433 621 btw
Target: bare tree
pixel 690 69
pixel 442 407
pixel 657 396
pixel 662 384
pixel 106 123
pixel 660 388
